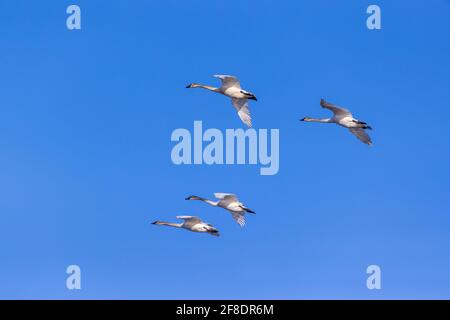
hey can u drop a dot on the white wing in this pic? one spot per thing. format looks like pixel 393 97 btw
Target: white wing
pixel 225 196
pixel 239 218
pixel 361 135
pixel 226 199
pixel 190 219
pixel 338 111
pixel 241 105
pixel 228 81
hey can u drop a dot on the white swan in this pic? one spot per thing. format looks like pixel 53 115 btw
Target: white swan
pixel 344 118
pixel 229 202
pixel 232 89
pixel 190 223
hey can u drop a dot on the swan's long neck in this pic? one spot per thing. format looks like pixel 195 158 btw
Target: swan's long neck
pixel 213 203
pixel 204 200
pixel 169 224
pixel 323 120
pixel 214 89
pixel 208 201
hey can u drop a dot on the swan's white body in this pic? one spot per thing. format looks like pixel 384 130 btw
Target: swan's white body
pixel 344 118
pixel 191 223
pixel 228 202
pixel 231 88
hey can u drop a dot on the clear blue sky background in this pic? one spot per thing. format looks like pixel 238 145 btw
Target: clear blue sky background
pixel 85 124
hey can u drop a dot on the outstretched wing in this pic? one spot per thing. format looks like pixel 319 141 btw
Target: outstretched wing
pixel 361 135
pixel 338 111
pixel 190 219
pixel 241 106
pixel 225 196
pixel 228 81
pixel 239 218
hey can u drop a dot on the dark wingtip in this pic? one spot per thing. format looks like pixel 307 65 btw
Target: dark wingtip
pixel 154 222
pixel 189 86
pixel 302 119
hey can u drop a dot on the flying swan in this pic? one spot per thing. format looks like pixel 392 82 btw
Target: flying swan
pixel 232 89
pixel 344 118
pixel 191 223
pixel 228 202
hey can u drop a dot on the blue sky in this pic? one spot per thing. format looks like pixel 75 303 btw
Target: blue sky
pixel 85 125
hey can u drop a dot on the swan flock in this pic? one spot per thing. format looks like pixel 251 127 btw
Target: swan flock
pixel 231 88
